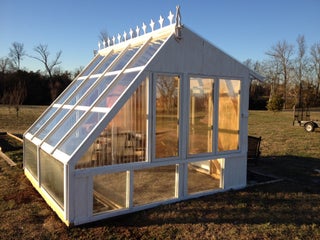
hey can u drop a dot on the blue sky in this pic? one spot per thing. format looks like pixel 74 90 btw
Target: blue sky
pixel 242 28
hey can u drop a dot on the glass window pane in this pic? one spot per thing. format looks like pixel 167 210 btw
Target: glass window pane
pixel 42 120
pixel 79 133
pixel 154 184
pixel 147 53
pixel 124 138
pixel 111 96
pixel 74 85
pixel 92 65
pixel 30 157
pixel 109 192
pixel 96 91
pixel 52 124
pixel 67 124
pixel 200 115
pixel 106 63
pixel 52 177
pixel 167 116
pixel 81 91
pixel 124 59
pixel 204 175
pixel 229 115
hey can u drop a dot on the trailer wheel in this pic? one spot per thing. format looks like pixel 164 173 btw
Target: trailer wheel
pixel 309 127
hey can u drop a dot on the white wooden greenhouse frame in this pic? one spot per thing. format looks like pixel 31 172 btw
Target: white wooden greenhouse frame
pixel 156 117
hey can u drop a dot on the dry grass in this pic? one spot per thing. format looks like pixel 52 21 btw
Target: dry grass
pixel 285 210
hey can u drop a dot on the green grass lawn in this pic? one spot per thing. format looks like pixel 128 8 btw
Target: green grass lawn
pixel 288 209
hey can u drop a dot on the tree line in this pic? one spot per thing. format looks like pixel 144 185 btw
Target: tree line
pixel 19 86
pixel 291 71
pixel 292 76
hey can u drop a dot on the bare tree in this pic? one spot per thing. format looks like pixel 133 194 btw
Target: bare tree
pixel 281 53
pixel 301 65
pixel 16 54
pixel 103 36
pixel 43 53
pixel 4 64
pixel 315 58
pixel 15 96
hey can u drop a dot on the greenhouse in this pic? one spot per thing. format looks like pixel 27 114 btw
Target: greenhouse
pixel 158 116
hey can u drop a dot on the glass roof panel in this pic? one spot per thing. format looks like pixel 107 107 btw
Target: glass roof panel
pixel 51 124
pixel 147 53
pixel 111 96
pixel 67 124
pixel 42 120
pixel 77 135
pixel 90 120
pixel 97 90
pixel 81 91
pixel 69 91
pixel 125 58
pixel 93 64
pixel 106 63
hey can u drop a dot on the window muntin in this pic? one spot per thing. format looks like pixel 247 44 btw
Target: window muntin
pixel 74 85
pixel 51 124
pixel 93 64
pixel 201 115
pixel 124 58
pixel 125 137
pixel 41 121
pixel 92 118
pixel 229 115
pixel 67 124
pixel 81 91
pixel 80 132
pixel 146 53
pixel 106 63
pixel 94 93
pixel 167 116
pixel 111 96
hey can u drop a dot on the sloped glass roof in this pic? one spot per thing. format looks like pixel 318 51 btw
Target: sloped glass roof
pixel 91 96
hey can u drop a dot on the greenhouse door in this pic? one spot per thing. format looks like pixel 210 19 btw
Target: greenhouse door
pixel 167 100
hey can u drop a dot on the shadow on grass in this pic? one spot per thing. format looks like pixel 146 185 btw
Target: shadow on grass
pixel 303 170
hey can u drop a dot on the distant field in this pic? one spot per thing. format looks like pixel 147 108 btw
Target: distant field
pixel 9 122
pixel 280 137
pixel 288 209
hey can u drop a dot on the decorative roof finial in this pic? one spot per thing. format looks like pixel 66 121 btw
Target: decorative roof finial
pixel 161 19
pixel 144 27
pixel 137 31
pixel 170 17
pixel 125 36
pixel 178 24
pixel 131 33
pixel 178 17
pixel 152 25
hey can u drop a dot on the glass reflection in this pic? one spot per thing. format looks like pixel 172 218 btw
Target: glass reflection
pixel 167 116
pixel 201 115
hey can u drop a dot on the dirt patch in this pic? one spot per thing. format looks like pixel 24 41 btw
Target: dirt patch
pixel 7 143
